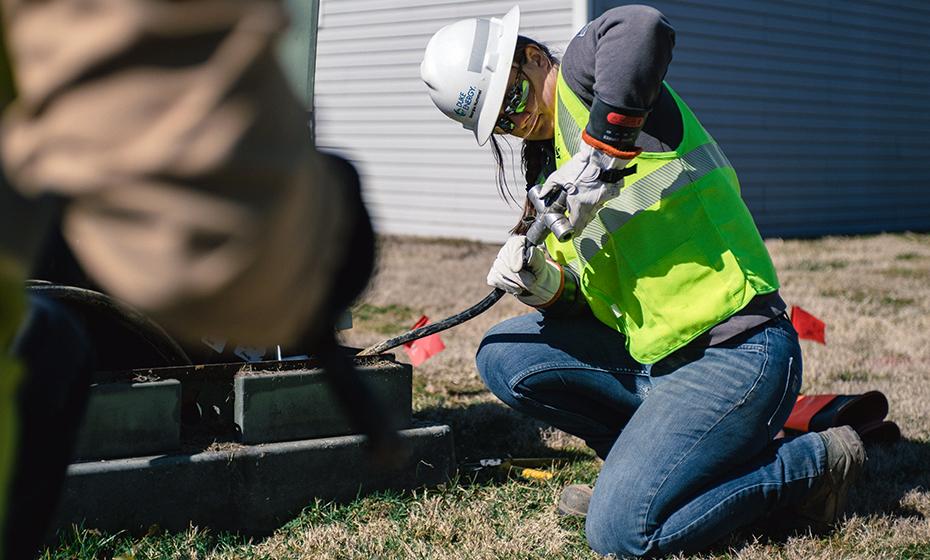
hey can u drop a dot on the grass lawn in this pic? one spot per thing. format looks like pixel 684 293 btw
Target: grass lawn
pixel 873 293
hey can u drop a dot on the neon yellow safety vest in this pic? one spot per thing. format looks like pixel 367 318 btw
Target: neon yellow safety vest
pixel 674 254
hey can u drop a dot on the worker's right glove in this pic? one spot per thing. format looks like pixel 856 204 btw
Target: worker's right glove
pixel 537 282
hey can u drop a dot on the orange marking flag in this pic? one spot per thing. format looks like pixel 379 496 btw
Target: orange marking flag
pixel 807 325
pixel 422 349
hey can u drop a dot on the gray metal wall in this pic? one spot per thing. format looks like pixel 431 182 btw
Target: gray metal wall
pixel 821 106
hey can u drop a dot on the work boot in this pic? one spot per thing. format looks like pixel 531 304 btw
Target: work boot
pixel 574 500
pixel 845 458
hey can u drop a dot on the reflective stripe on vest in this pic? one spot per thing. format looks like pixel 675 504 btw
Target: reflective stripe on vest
pixel 645 193
pixel 676 252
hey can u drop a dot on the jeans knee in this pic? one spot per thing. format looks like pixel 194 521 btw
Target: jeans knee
pixel 501 354
pixel 489 362
pixel 493 370
pixel 614 529
pixel 485 357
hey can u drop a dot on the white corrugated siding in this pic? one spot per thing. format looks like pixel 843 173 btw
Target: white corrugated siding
pixel 422 173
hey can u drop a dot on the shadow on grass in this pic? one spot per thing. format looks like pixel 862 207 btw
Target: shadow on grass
pixel 891 473
pixel 492 430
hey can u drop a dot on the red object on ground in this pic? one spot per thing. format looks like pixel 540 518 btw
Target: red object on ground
pixel 807 325
pixel 804 410
pixel 422 349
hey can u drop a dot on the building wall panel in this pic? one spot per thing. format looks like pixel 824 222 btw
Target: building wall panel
pixel 820 106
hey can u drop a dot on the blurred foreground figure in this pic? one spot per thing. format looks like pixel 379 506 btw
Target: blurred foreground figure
pixel 196 195
pixel 166 136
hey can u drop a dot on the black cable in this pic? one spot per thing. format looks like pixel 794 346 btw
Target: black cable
pixel 434 328
pixel 112 324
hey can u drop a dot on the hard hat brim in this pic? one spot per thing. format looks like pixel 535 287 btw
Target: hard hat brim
pixel 510 27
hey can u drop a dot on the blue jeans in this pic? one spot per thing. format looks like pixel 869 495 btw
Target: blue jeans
pixel 687 442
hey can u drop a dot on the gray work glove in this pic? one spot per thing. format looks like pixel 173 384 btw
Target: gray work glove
pixel 582 179
pixel 538 283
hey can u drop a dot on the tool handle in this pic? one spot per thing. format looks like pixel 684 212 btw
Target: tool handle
pixel 533 474
pixel 537 233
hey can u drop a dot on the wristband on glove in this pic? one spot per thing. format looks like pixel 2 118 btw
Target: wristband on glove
pixel 570 302
pixel 614 130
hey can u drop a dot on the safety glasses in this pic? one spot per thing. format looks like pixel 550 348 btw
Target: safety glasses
pixel 514 104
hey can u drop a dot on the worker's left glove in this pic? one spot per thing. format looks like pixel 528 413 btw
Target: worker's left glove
pixel 590 178
pixel 535 281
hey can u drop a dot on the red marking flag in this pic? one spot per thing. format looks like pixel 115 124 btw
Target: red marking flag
pixel 805 408
pixel 807 325
pixel 422 349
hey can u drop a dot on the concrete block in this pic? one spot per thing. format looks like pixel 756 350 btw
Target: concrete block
pixel 131 419
pixel 248 489
pixel 299 404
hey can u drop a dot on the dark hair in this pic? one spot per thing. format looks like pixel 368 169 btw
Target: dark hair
pixel 537 156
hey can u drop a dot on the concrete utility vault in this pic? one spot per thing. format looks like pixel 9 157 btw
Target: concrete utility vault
pixel 268 439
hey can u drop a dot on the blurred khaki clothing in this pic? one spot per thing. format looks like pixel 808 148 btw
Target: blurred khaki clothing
pixel 195 193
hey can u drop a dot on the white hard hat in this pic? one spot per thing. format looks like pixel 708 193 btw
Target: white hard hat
pixel 466 66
